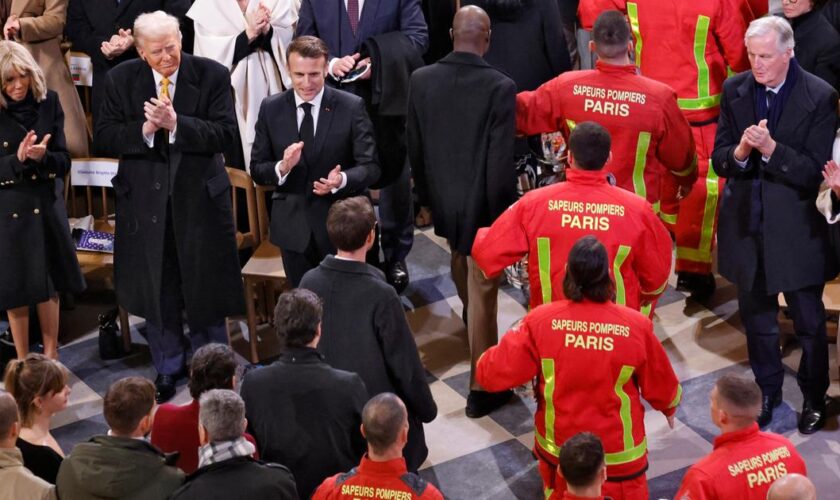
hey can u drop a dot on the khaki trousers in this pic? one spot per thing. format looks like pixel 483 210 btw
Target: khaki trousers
pixel 480 297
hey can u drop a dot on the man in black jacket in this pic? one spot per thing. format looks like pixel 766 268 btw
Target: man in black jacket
pixel 774 135
pixel 467 178
pixel 303 413
pixel 226 469
pixel 365 330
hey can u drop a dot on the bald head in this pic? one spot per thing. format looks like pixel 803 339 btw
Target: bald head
pixel 792 487
pixel 471 30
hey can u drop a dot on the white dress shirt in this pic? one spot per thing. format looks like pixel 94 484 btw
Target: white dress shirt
pixel 150 138
pixel 315 111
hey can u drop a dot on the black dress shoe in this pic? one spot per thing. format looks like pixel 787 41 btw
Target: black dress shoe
pixel 165 388
pixel 699 285
pixel 767 405
pixel 397 276
pixel 480 403
pixel 812 418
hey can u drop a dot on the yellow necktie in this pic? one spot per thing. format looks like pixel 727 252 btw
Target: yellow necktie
pixel 164 88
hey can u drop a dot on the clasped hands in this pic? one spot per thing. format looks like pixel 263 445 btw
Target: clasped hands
pixel 159 115
pixel 755 137
pixel 257 22
pixel 30 149
pixel 322 187
pixel 118 44
pixel 831 174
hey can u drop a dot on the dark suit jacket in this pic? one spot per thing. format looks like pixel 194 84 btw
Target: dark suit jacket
pixel 239 477
pixel 527 42
pixel 91 22
pixel 188 176
pixel 817 47
pixel 343 136
pixel 327 19
pixel 795 236
pixel 35 239
pixel 306 416
pixel 364 330
pixel 464 170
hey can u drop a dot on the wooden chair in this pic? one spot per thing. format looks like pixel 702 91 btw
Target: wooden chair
pixel 263 274
pixel 96 266
pixel 241 181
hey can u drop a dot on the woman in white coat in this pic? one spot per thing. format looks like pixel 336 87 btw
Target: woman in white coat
pixel 250 38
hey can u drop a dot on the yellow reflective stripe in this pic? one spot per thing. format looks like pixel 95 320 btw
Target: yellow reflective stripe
pixel 642 145
pixel 700 102
pixel 544 259
pixel 703 252
pixel 687 171
pixel 547 492
pixel 624 412
pixel 571 124
pixel 677 398
pixel 633 14
pixel 656 206
pixel 646 309
pixel 658 290
pixel 546 445
pixel 627 455
pixel 620 257
pixel 548 395
pixel 669 218
pixel 701 34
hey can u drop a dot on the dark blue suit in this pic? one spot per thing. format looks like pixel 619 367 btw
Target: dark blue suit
pixel 327 19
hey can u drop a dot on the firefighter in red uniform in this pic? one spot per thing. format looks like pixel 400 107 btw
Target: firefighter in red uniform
pixel 382 473
pixel 690 46
pixel 582 467
pixel 547 221
pixel 593 359
pixel 651 139
pixel 745 461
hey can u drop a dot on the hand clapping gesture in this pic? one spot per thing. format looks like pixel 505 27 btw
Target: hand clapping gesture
pixel 160 114
pixel 30 149
pixel 118 44
pixel 831 174
pixel 258 22
pixel 333 181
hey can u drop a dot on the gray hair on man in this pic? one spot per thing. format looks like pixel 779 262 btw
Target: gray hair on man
pixel 222 414
pixel 155 25
pixel 772 24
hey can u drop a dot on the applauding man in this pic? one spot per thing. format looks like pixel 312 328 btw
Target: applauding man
pixel 316 145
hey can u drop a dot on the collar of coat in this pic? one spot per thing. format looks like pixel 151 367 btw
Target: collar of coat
pixel 351 266
pixel 469 58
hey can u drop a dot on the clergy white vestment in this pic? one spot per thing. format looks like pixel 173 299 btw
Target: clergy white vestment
pixel 217 25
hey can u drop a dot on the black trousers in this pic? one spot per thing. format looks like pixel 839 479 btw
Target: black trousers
pixel 759 314
pixel 297 263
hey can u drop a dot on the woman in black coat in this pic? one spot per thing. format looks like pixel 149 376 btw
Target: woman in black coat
pixel 38 255
pixel 817 43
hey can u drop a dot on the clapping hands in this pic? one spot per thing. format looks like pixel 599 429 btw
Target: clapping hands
pixel 258 22
pixel 30 149
pixel 332 181
pixel 160 114
pixel 831 174
pixel 118 44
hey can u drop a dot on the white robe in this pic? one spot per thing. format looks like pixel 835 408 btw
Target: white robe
pixel 217 25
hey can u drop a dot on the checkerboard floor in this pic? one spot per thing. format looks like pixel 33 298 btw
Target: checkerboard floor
pixel 490 457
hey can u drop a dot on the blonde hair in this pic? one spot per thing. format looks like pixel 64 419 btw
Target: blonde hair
pixel 31 377
pixel 14 58
pixel 154 25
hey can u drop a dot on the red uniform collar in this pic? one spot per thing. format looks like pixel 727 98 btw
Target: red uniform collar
pixel 578 176
pixel 735 436
pixel 616 68
pixel 570 496
pixel 391 468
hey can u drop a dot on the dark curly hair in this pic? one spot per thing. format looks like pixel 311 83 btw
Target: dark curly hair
pixel 213 367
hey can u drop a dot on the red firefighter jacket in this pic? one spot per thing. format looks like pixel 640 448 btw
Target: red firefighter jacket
pixel 742 465
pixel 649 134
pixel 546 223
pixel 685 44
pixel 592 361
pixel 377 480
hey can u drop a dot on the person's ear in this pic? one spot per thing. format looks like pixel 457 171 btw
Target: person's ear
pixel 591 46
pixel 451 35
pixel 603 473
pixel 202 435
pixel 233 382
pixel 362 426
pixel 244 425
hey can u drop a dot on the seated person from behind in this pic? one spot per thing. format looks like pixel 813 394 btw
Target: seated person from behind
pixel 16 479
pixel 735 405
pixel 122 464
pixel 175 428
pixel 383 468
pixel 304 413
pixel 582 465
pixel 226 467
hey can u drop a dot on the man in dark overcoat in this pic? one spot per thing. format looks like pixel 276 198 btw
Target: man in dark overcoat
pixel 460 129
pixel 168 116
pixel 775 133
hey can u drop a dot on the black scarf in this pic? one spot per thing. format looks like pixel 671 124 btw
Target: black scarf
pixel 25 111
pixel 774 114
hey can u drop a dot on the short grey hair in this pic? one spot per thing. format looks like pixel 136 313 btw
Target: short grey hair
pixel 8 413
pixel 772 24
pixel 222 413
pixel 155 25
